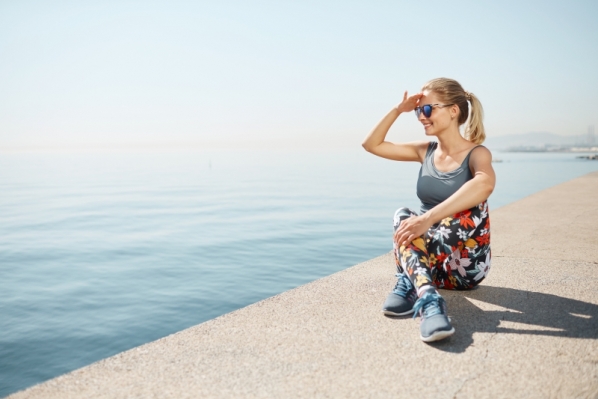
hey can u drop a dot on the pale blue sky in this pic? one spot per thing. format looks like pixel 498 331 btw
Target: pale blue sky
pixel 309 73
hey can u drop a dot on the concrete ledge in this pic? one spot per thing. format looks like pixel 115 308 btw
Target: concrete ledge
pixel 530 331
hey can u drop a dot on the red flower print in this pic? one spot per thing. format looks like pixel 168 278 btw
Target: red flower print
pixel 441 258
pixel 465 220
pixel 483 240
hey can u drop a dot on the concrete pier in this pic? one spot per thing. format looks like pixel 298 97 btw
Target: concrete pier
pixel 529 331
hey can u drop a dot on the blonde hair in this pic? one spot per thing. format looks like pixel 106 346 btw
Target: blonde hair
pixel 451 92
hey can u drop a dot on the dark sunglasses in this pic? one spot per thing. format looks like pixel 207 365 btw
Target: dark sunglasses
pixel 427 109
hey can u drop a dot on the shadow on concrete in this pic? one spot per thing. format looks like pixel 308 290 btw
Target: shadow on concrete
pixel 511 311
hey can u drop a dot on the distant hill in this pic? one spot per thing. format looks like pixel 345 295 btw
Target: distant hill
pixel 534 139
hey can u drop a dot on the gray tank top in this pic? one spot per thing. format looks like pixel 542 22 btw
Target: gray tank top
pixel 433 186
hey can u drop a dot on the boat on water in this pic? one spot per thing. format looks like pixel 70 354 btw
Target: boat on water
pixel 593 157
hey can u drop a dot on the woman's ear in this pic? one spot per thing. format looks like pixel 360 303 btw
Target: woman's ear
pixel 454 111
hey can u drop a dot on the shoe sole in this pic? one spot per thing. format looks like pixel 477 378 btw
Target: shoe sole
pixel 393 314
pixel 438 335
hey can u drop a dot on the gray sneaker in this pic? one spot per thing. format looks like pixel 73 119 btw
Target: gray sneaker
pixel 400 301
pixel 435 325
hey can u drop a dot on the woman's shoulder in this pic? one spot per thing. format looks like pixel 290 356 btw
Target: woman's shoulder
pixel 479 156
pixel 422 148
pixel 480 150
pixel 427 148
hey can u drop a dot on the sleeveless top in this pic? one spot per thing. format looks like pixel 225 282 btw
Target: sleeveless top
pixel 433 186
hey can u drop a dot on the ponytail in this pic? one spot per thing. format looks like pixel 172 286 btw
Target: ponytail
pixel 474 131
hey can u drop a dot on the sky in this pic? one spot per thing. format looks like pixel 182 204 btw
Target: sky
pixel 279 73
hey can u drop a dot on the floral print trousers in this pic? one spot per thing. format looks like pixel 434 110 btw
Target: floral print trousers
pixel 453 254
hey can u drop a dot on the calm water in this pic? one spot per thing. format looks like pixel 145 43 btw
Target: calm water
pixel 104 251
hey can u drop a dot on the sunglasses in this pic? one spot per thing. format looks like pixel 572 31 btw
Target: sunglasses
pixel 427 109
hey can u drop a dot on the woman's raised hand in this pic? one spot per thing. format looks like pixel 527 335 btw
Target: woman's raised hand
pixel 409 102
pixel 375 140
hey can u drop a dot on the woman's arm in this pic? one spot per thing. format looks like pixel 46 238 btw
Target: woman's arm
pixel 375 143
pixel 469 195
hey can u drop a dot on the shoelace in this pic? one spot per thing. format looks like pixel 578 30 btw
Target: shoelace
pixel 430 304
pixel 403 285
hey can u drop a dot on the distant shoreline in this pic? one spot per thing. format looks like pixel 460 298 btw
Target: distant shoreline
pixel 572 150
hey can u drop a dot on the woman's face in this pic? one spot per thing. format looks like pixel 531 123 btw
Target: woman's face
pixel 440 119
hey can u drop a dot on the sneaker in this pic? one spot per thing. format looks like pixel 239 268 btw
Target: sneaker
pixel 435 325
pixel 400 301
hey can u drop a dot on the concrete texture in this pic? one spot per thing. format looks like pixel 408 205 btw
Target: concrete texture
pixel 529 331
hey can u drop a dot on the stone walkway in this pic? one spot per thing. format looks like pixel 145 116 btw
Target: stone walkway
pixel 529 331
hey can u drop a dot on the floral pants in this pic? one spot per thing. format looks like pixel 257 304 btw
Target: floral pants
pixel 452 254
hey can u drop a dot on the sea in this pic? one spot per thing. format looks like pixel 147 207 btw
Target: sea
pixel 105 250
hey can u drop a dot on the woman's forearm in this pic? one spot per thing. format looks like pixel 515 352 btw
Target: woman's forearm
pixel 469 195
pixel 375 141
pixel 379 132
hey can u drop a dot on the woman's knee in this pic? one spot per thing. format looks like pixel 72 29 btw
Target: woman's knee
pixel 402 214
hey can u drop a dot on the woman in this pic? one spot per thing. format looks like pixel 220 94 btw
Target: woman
pixel 447 244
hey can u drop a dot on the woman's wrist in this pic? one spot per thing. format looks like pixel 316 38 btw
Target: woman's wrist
pixel 430 217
